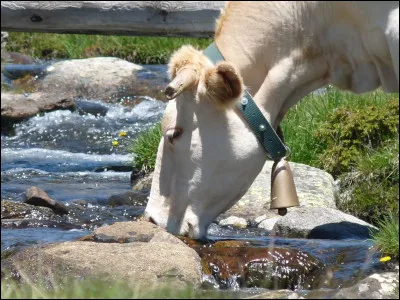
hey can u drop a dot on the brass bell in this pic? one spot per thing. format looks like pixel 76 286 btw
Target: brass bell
pixel 283 190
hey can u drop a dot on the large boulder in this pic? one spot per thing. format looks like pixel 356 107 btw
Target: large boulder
pixel 164 260
pixel 315 188
pixel 97 77
pixel 321 223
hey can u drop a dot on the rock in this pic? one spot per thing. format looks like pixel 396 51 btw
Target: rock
pixel 4 39
pixel 133 198
pixel 141 181
pixel 124 232
pixel 162 236
pixel 315 188
pixel 17 107
pixel 233 221
pixel 321 223
pixel 85 107
pixel 38 197
pixel 375 286
pixel 137 263
pixel 97 77
pixel 22 215
pixel 268 224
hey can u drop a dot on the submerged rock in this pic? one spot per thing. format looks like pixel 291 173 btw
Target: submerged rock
pixel 134 198
pixel 321 223
pixel 38 197
pixel 11 210
pixel 236 264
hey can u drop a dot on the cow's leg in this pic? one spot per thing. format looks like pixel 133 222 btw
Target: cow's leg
pixel 392 37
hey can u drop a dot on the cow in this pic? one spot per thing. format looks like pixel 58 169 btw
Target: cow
pixel 279 51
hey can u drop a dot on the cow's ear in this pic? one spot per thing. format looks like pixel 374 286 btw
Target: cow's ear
pixel 223 84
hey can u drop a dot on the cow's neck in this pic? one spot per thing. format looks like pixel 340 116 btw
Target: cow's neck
pixel 289 67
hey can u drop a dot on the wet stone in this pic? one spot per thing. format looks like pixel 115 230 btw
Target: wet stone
pixel 285 273
pixel 239 265
pixel 38 197
pixel 133 198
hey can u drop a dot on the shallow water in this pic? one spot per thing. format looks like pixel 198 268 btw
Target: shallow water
pixel 68 154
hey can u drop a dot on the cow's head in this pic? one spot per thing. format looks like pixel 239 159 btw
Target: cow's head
pixel 208 156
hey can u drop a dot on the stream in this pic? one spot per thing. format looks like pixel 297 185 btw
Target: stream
pixel 69 155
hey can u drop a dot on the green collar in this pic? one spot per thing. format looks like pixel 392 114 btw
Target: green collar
pixel 260 126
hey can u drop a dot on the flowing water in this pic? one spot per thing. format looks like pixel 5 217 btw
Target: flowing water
pixel 69 154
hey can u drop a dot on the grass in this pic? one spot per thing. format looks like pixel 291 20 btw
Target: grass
pixel 144 148
pixel 305 118
pixel 387 238
pixel 141 50
pixel 99 289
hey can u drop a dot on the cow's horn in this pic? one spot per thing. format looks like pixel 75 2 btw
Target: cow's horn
pixel 184 79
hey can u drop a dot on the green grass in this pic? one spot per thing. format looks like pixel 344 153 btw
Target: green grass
pixel 143 50
pixel 100 289
pixel 387 238
pixel 306 117
pixel 144 148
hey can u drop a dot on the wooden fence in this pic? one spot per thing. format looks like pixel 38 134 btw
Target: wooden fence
pixel 141 18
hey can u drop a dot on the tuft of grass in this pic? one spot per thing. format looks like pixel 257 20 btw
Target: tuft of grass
pixel 90 288
pixel 387 238
pixel 144 149
pixel 141 50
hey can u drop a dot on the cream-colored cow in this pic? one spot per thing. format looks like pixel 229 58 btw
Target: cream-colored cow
pixel 280 51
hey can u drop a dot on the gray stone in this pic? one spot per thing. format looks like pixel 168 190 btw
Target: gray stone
pixel 17 107
pixel 375 286
pixel 137 263
pixel 233 221
pixel 268 224
pixel 315 188
pixel 141 182
pixel 124 232
pixel 98 77
pixel 321 223
pixel 4 39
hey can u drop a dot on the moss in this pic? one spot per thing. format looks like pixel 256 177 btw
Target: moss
pixel 371 190
pixel 348 132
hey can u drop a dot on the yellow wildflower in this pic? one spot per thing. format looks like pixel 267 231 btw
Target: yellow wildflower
pixel 115 143
pixel 385 259
pixel 122 133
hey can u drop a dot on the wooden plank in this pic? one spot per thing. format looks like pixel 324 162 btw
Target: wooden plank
pixel 144 18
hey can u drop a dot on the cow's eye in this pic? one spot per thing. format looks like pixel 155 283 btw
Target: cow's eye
pixel 173 134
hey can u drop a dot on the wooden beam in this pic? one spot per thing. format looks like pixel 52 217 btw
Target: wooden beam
pixel 142 18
